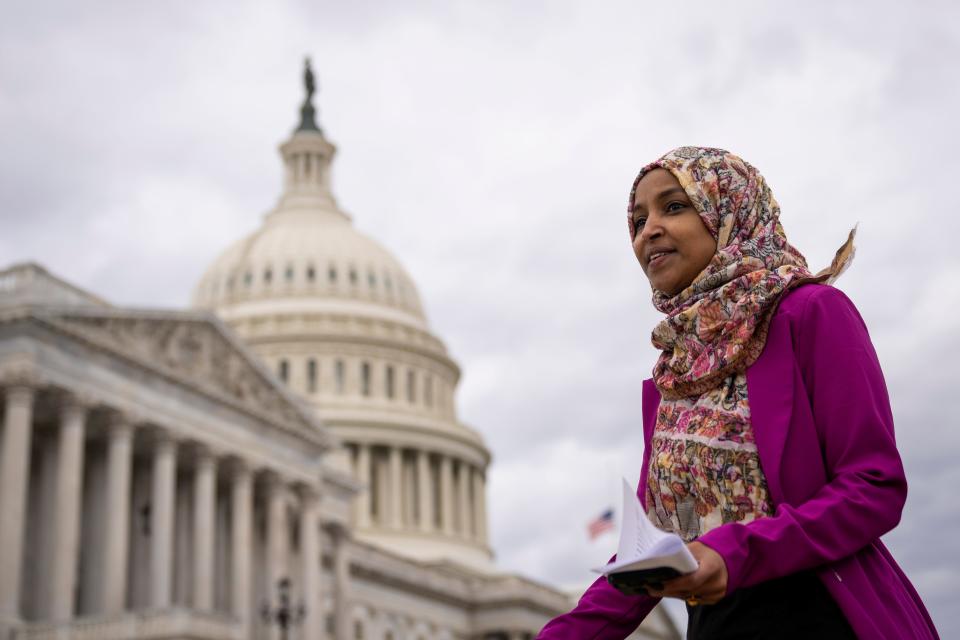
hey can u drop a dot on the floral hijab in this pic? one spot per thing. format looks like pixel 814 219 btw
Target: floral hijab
pixel 717 326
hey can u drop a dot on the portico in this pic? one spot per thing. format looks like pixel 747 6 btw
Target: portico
pixel 133 476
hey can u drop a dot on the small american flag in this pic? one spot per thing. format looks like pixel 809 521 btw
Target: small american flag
pixel 600 524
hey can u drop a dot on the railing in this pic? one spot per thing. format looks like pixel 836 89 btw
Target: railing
pixel 172 624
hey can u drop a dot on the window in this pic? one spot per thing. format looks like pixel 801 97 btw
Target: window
pixel 283 370
pixel 411 386
pixel 372 279
pixel 288 275
pixel 332 274
pixel 387 283
pixel 340 375
pixel 365 378
pixel 230 283
pixel 357 630
pixel 311 273
pixel 247 279
pixel 428 391
pixel 353 276
pixel 267 275
pixel 390 382
pixel 311 375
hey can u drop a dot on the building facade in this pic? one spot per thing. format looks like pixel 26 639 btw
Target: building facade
pixel 287 450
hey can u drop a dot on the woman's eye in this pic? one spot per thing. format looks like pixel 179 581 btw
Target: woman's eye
pixel 639 222
pixel 675 206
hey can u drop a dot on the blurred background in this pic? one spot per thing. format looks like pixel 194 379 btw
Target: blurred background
pixel 491 147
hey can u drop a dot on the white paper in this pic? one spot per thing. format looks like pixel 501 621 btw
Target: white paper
pixel 643 546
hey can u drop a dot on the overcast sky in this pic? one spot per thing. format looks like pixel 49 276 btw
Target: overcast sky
pixel 490 146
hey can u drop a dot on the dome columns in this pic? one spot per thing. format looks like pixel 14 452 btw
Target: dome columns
pixel 480 505
pixel 418 491
pixel 446 495
pixel 425 492
pixel 395 503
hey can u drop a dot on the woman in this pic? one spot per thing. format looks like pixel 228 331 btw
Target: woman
pixel 768 433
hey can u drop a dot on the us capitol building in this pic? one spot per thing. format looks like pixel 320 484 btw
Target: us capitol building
pixel 282 460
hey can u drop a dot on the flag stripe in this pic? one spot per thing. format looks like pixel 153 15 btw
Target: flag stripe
pixel 600 524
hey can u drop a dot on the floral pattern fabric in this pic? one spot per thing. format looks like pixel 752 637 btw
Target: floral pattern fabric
pixel 704 468
pixel 717 326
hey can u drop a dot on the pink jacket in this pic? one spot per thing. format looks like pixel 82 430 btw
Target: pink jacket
pixel 824 432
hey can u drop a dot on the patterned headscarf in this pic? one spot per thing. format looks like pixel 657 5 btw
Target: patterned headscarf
pixel 718 324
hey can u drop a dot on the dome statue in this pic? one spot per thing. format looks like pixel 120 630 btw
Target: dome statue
pixel 340 321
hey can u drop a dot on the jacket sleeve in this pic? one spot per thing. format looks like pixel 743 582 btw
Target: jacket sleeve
pixel 865 489
pixel 603 613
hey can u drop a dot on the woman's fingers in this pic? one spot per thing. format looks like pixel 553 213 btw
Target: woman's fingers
pixel 708 584
pixel 685 585
pixel 707 591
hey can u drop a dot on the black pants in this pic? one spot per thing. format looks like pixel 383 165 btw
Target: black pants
pixel 796 607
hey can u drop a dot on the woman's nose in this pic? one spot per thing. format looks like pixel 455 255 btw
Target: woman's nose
pixel 652 228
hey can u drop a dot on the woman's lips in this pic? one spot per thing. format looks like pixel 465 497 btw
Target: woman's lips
pixel 659 258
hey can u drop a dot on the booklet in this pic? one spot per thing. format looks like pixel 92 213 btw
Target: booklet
pixel 646 556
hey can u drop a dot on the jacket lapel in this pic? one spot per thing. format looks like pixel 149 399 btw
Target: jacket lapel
pixel 650 402
pixel 770 394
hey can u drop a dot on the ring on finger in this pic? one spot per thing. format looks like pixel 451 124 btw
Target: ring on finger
pixel 693 600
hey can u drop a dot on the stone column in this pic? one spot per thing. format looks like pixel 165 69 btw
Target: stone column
pixel 446 495
pixel 396 488
pixel 479 506
pixel 424 491
pixel 204 506
pixel 408 473
pixel 116 524
pixel 463 499
pixel 241 526
pixel 341 584
pixel 364 477
pixel 276 535
pixel 14 476
pixel 310 562
pixel 66 528
pixel 162 520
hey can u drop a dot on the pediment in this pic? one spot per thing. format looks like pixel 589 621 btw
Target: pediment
pixel 194 348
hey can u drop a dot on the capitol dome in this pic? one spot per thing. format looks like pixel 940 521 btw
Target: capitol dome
pixel 312 258
pixel 340 321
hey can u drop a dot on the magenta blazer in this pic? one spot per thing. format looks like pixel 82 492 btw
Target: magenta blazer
pixel 824 432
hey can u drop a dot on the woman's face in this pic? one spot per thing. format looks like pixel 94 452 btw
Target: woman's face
pixel 671 242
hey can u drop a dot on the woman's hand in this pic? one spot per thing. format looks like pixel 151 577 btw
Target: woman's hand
pixel 706 585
